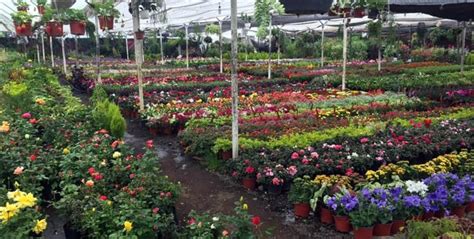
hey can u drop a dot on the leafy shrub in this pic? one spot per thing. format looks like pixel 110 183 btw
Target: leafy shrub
pixel 118 126
pixel 470 59
pixel 107 115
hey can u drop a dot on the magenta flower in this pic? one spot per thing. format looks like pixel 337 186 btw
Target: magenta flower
pixel 364 140
pixel 295 155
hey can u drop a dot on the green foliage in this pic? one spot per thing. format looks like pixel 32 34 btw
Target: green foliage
pixel 106 8
pixel 431 229
pixel 262 14
pixel 74 15
pixel 107 114
pixel 98 95
pixel 41 2
pixel 51 14
pixel 302 190
pixel 470 59
pixel 212 29
pixel 21 17
pixel 118 125
pixel 363 216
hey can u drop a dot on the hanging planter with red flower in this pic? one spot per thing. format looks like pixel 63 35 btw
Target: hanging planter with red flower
pixel 22 21
pixel 107 13
pixel 54 28
pixel 77 21
pixel 106 23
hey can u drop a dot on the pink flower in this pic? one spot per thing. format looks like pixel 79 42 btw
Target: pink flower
pixel 149 144
pixel 234 174
pixel 305 161
pixel 249 170
pixel 292 170
pixel 338 147
pixel 26 115
pixel 156 210
pixel 364 140
pixel 276 181
pixel 314 155
pixel 33 121
pixel 301 152
pixel 295 155
pixel 259 175
pixel 18 170
pixel 132 175
pixel 98 177
pixel 103 198
pixel 91 170
pixel 379 158
pixel 349 172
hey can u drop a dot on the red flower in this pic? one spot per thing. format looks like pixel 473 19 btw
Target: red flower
pixel 427 123
pixel 349 172
pixel 295 155
pixel 103 198
pixel 249 170
pixel 155 210
pixel 33 157
pixel 26 115
pixel 256 221
pixel 33 121
pixel 91 170
pixel 98 177
pixel 103 131
pixel 191 221
pixel 132 175
pixel 149 144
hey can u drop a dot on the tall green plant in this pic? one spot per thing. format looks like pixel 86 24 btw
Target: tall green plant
pixel 262 14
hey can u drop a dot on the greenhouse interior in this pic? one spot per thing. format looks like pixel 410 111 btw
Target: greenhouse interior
pixel 248 119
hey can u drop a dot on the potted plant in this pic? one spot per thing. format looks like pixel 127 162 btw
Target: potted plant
pixel 321 190
pixel 400 211
pixel 359 8
pixel 363 218
pixel 300 194
pixel 40 5
pixel 22 21
pixel 306 6
pixel 459 196
pixel 53 21
pixel 77 21
pixel 341 204
pixel 381 198
pixel 246 172
pixel 106 13
pixel 21 6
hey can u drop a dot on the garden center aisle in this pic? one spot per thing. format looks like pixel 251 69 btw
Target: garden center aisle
pixel 205 191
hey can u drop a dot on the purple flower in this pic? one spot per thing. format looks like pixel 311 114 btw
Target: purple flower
pixel 412 201
pixel 349 202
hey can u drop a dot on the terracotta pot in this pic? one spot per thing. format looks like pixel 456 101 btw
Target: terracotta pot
pixel 78 27
pixel 23 29
pixel 440 213
pixel 470 207
pixel 140 35
pixel 427 216
pixel 249 183
pixel 326 216
pixel 382 229
pixel 226 155
pixel 106 23
pixel 459 211
pixel 342 223
pixel 363 233
pixel 396 226
pixel 301 209
pixel 358 12
pixel 41 10
pixel 54 28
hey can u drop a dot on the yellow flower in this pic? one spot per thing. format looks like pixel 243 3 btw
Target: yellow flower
pixel 26 200
pixel 127 226
pixel 245 206
pixel 15 195
pixel 116 155
pixel 8 212
pixel 109 202
pixel 66 151
pixel 40 226
pixel 40 101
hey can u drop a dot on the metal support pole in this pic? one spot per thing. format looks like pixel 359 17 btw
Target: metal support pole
pixel 38 52
pixel 64 56
pixel 51 50
pixel 220 47
pixel 97 50
pixel 234 85
pixel 161 48
pixel 42 47
pixel 270 48
pixel 322 44
pixel 138 53
pixel 126 47
pixel 187 45
pixel 344 53
pixel 76 43
pixel 463 50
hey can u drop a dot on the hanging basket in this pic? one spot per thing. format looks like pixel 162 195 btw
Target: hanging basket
pixel 54 29
pixel 22 9
pixel 106 23
pixel 78 27
pixel 23 29
pixel 306 6
pixel 140 35
pixel 40 9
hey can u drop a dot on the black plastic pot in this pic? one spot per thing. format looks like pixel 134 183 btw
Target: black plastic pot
pixel 306 6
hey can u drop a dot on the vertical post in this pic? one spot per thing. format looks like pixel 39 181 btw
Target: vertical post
pixel 42 47
pixel 38 52
pixel 64 56
pixel 322 45
pixel 126 47
pixel 97 50
pixel 220 47
pixel 161 47
pixel 463 50
pixel 76 43
pixel 270 48
pixel 138 52
pixel 51 50
pixel 344 53
pixel 186 26
pixel 247 28
pixel 234 85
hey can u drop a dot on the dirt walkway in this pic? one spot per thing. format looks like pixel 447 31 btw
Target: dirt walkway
pixel 205 191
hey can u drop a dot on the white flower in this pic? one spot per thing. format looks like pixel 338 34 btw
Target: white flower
pixel 27 136
pixel 215 219
pixel 416 187
pixel 212 226
pixel 116 155
pixel 349 157
pixel 355 154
